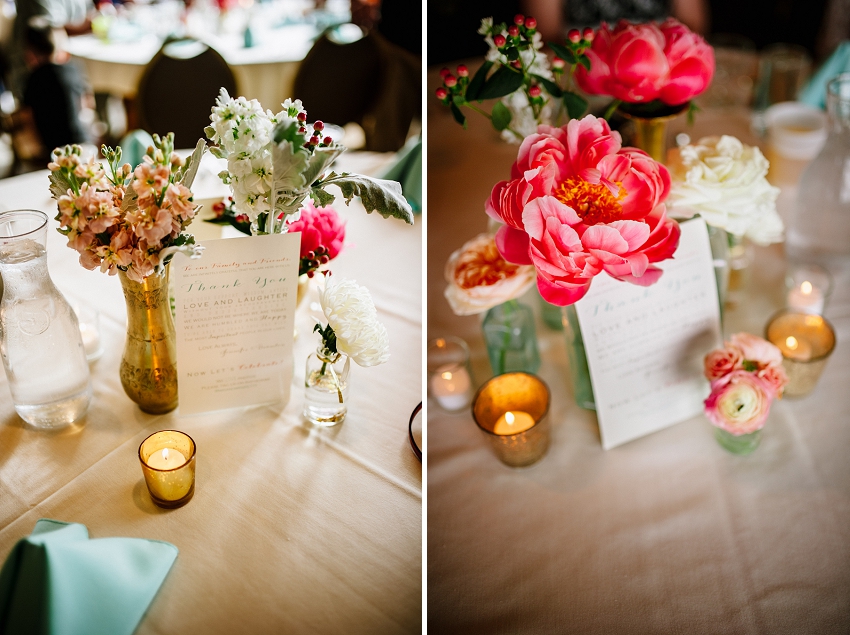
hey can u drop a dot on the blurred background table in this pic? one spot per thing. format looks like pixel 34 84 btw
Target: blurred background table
pixel 292 529
pixel 666 534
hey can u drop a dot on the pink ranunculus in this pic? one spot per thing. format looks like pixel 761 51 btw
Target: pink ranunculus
pixel 722 361
pixel 578 204
pixel 756 349
pixel 639 63
pixel 739 402
pixel 319 227
pixel 775 377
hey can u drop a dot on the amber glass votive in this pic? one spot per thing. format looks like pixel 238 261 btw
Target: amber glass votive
pixel 512 410
pixel 168 463
pixel 806 342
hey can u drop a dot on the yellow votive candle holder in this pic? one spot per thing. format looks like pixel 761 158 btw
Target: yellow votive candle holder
pixel 512 410
pixel 806 342
pixel 168 464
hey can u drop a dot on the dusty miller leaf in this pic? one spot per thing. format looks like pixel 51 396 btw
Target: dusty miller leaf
pixel 288 166
pixel 320 197
pixel 320 161
pixel 190 169
pixel 379 195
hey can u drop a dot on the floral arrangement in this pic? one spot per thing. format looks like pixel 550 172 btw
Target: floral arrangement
pixel 655 65
pixel 520 75
pixel 725 182
pixel 577 204
pixel 276 161
pixel 121 219
pixel 353 327
pixel 479 278
pixel 745 375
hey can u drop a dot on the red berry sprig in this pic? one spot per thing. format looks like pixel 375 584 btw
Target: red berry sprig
pixel 312 260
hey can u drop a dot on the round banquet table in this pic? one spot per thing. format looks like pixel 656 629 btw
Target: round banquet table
pixel 291 529
pixel 665 534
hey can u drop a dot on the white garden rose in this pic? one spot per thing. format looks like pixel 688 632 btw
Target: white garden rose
pixel 350 312
pixel 479 278
pixel 725 182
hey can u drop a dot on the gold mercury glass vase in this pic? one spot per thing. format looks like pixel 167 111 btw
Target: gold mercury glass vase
pixel 651 129
pixel 149 364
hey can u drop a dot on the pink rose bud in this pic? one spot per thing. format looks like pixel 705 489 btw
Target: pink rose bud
pixel 442 93
pixel 302 117
pixel 463 71
pixel 534 91
pixel 513 30
pixel 588 34
pixel 444 71
pixel 318 126
pixel 499 41
pixel 574 36
pixel 519 19
pixel 327 141
pixel 557 62
pixel 530 23
pixel 450 80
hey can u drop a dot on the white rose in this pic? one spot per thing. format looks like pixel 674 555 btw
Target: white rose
pixel 724 181
pixel 350 312
pixel 479 278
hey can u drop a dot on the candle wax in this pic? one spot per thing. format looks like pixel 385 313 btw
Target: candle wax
pixel 513 422
pixel 166 459
pixel 451 386
pixel 806 298
pixel 795 348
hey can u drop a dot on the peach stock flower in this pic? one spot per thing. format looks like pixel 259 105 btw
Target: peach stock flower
pixel 479 278
pixel 577 204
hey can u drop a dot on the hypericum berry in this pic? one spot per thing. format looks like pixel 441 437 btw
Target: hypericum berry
pixel 516 64
pixel 324 260
pixel 442 93
pixel 519 19
pixel 513 30
pixel 463 71
pixel 499 40
pixel 530 24
pixel 327 141
pixel 588 34
pixel 534 91
pixel 319 126
pixel 302 130
pixel 311 255
pixel 444 71
pixel 302 117
pixel 314 140
pixel 574 36
pixel 557 62
pixel 450 81
pixel 310 274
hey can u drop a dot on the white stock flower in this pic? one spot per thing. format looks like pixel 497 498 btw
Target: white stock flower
pixel 724 181
pixel 349 309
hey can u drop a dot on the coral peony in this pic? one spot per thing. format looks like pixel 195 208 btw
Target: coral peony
pixel 319 227
pixel 639 63
pixel 739 403
pixel 578 204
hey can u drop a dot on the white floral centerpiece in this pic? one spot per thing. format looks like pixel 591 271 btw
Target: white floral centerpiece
pixel 273 165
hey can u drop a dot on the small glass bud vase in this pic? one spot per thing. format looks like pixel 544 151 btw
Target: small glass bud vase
pixel 738 444
pixel 511 338
pixel 326 387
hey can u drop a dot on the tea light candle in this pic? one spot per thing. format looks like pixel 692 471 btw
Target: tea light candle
pixel 806 298
pixel 809 287
pixel 512 409
pixel 794 348
pixel 168 465
pixel 89 321
pixel 806 342
pixel 451 386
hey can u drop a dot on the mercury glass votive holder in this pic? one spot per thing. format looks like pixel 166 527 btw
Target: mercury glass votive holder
pixel 512 410
pixel 168 464
pixel 806 341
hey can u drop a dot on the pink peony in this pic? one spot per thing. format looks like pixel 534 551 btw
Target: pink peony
pixel 639 63
pixel 739 402
pixel 319 227
pixel 723 361
pixel 578 204
pixel 756 349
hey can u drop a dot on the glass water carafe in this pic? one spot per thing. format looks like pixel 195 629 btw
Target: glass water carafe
pixel 40 339
pixel 819 229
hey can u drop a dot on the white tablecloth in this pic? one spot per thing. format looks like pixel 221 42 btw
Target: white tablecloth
pixel 291 529
pixel 666 534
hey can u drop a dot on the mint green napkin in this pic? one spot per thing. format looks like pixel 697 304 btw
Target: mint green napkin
pixel 134 145
pixel 407 170
pixel 814 94
pixel 58 582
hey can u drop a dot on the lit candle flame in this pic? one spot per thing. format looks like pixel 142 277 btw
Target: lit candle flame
pixel 509 418
pixel 791 342
pixel 447 376
pixel 165 454
pixel 806 288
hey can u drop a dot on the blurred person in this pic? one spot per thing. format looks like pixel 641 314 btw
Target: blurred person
pixel 453 27
pixel 54 92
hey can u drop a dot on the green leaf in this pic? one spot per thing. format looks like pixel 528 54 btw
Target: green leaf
pixel 576 104
pixel 458 115
pixel 584 60
pixel 320 160
pixel 379 195
pixel 190 168
pixel 217 152
pixel 59 183
pixel 478 81
pixel 611 109
pixel 551 87
pixel 288 167
pixel 501 116
pixel 503 82
pixel 320 197
pixel 512 54
pixel 564 53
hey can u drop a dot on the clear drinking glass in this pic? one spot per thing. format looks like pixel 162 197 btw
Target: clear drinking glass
pixel 326 387
pixel 41 346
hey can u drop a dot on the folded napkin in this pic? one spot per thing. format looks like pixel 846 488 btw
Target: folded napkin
pixel 814 94
pixel 58 582
pixel 134 145
pixel 407 170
